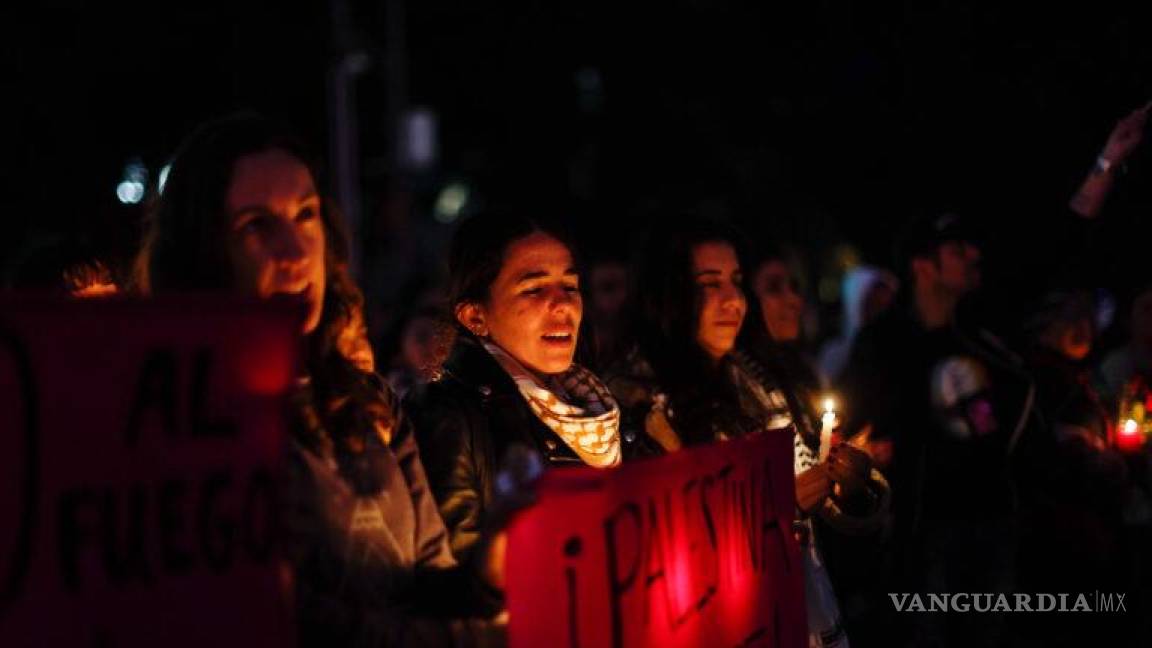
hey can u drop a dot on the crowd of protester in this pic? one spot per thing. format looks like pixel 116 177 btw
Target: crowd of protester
pixel 930 454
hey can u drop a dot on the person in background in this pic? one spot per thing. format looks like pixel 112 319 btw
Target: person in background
pixel 66 267
pixel 242 213
pixel 778 331
pixel 865 294
pixel 608 291
pixel 949 410
pixel 770 346
pixel 1075 541
pixel 420 351
pixel 1125 138
pixel 1134 357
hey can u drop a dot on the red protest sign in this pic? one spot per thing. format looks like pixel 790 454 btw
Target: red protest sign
pixel 139 443
pixel 692 549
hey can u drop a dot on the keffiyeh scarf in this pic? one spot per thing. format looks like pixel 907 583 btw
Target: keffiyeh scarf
pixel 591 427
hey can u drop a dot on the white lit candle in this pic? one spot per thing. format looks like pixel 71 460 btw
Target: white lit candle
pixel 827 424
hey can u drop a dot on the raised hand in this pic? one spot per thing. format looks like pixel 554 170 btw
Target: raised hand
pixel 1126 136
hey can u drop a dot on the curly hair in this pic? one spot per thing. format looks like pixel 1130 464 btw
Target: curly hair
pixel 184 249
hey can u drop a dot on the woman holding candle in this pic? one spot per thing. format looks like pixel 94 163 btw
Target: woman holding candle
pixel 683 384
pixel 771 345
pixel 771 348
pixel 242 213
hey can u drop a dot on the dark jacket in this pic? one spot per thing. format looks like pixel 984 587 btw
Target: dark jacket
pixel 465 422
pixel 371 557
pixel 726 408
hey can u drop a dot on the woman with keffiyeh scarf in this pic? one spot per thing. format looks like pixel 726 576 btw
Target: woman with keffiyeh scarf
pixel 509 381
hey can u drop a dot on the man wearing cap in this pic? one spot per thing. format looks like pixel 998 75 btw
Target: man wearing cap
pixel 947 406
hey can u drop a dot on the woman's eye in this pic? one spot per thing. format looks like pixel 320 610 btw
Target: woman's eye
pixel 531 291
pixel 306 214
pixel 572 289
pixel 253 225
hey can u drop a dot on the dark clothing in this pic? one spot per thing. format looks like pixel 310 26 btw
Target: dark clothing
pixel 652 415
pixel 956 408
pixel 371 556
pixel 1079 543
pixel 466 420
pixel 785 367
pixel 1066 397
pixel 1074 538
pixel 634 385
pixel 743 398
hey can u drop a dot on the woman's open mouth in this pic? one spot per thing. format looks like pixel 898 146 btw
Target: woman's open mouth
pixel 301 293
pixel 558 338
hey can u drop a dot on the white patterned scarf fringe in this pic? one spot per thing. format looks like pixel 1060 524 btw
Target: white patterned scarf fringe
pixel 591 428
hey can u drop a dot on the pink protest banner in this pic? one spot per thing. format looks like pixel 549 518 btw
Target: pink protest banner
pixel 139 444
pixel 692 549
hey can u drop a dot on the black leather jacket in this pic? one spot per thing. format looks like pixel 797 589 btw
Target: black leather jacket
pixel 465 422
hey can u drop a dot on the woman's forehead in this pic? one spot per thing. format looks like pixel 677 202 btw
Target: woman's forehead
pixel 714 254
pixel 774 268
pixel 273 176
pixel 537 252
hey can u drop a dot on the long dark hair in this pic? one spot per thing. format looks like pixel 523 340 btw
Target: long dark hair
pixel 184 249
pixel 782 364
pixel 786 359
pixel 667 319
pixel 754 332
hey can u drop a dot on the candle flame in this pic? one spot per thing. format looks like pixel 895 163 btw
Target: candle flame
pixel 1131 427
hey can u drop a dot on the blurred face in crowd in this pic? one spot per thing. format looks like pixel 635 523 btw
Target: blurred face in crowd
pixel 780 302
pixel 276 232
pixel 1142 320
pixel 719 297
pixel 879 297
pixel 959 265
pixel 608 289
pixel 1076 339
pixel 418 345
pixel 954 268
pixel 534 307
pixel 1070 338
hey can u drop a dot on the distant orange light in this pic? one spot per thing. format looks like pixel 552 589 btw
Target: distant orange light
pixel 98 289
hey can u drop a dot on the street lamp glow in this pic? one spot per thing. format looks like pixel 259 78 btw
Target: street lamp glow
pixel 130 193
